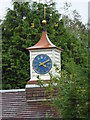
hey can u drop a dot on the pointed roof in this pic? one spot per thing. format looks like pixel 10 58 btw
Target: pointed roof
pixel 43 43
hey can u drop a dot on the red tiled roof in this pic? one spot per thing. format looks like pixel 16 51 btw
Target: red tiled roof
pixel 15 106
pixel 43 43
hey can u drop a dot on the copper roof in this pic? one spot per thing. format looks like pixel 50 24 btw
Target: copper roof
pixel 43 43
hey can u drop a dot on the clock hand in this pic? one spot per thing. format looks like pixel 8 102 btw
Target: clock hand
pixel 42 64
pixel 46 61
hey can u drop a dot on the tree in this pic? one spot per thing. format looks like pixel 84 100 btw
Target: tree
pixel 72 99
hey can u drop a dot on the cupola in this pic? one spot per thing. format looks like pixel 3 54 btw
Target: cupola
pixel 43 56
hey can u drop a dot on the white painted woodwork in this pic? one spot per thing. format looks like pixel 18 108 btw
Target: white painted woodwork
pixel 55 56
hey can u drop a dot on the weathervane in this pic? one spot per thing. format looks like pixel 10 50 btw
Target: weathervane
pixel 44 17
pixel 44 21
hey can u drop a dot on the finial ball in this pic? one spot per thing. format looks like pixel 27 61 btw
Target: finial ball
pixel 44 22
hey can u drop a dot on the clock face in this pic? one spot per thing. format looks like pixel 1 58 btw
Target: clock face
pixel 42 64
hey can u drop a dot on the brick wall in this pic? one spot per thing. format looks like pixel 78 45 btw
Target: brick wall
pixel 42 101
pixel 38 93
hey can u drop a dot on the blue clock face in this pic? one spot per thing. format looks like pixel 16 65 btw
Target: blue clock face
pixel 42 64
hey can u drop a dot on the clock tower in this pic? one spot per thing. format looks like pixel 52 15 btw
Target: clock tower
pixel 43 56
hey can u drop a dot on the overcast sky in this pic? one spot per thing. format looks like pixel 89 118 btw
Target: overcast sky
pixel 80 5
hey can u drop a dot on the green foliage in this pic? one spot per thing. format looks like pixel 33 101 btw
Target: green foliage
pixel 72 98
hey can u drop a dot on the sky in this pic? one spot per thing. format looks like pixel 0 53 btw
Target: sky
pixel 80 5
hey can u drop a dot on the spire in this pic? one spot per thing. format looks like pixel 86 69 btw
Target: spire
pixel 44 42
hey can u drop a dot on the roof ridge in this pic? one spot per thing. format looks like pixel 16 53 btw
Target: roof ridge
pixel 12 90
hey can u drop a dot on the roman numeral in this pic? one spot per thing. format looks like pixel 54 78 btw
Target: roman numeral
pixel 38 58
pixel 41 56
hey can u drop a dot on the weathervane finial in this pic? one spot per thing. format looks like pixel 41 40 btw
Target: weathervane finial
pixel 44 21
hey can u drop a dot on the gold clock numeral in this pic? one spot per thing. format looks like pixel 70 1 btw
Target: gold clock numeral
pixel 46 71
pixel 38 69
pixel 38 58
pixel 49 63
pixel 48 67
pixel 35 64
pixel 41 56
pixel 44 57
pixel 42 71
pixel 35 61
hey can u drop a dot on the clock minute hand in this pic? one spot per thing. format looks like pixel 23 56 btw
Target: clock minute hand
pixel 46 61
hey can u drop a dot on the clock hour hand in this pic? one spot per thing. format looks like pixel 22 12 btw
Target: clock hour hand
pixel 42 64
